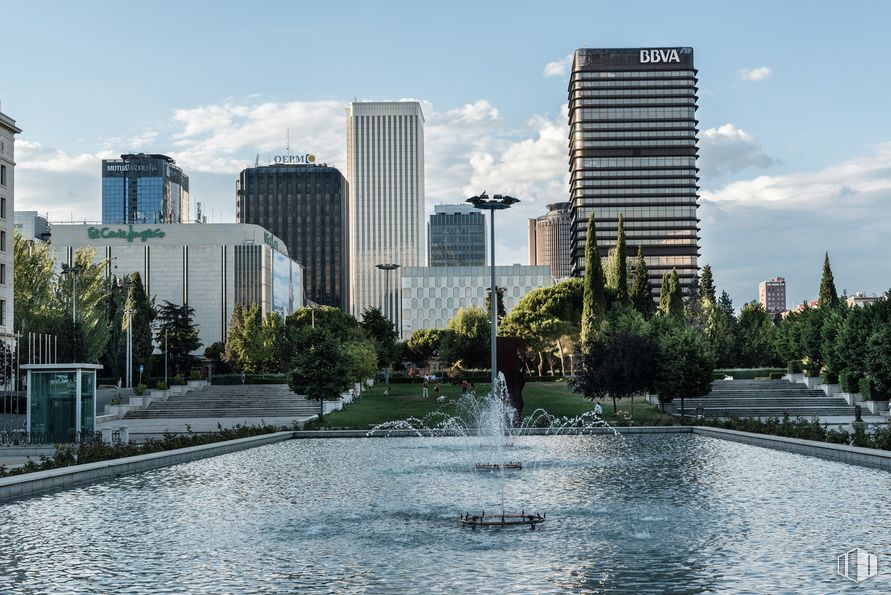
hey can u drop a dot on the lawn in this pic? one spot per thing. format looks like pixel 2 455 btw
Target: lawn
pixel 405 401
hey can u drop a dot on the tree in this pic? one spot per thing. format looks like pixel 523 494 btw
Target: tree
pixel 671 302
pixel 500 312
pixel 685 364
pixel 234 352
pixel 262 341
pixel 467 339
pixel 423 345
pixel 828 295
pixel 849 347
pixel 811 340
pixel 726 305
pixel 665 295
pixel 362 357
pixel 617 264
pixel 114 358
pixel 719 335
pixel 594 301
pixel 754 338
pixel 641 288
pixel 177 321
pixel 34 287
pixel 215 353
pixel 323 369
pixel 878 363
pixel 142 315
pixel 707 285
pixel 92 303
pixel 382 333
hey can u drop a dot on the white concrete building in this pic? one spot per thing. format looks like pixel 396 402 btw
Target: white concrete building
pixel 385 170
pixel 432 295
pixel 212 267
pixel 32 225
pixel 8 130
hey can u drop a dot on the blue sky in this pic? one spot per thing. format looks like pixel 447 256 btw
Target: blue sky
pixel 795 142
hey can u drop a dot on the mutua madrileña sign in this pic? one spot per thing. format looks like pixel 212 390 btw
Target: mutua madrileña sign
pixel 129 234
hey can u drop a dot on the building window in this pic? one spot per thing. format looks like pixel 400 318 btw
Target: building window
pixel 2 241
pixel 2 274
pixel 3 208
pixel 2 312
pixel 2 175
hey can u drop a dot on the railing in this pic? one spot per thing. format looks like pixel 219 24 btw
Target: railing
pixel 21 437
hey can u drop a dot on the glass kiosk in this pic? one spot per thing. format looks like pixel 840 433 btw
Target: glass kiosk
pixel 61 402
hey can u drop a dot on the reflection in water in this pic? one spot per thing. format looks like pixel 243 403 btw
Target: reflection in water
pixel 660 513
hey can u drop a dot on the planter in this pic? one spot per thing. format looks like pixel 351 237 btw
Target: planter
pixel 876 407
pixel 671 408
pixel 653 399
pixel 830 389
pixel 812 381
pixel 330 406
pixel 117 411
pixel 795 377
pixel 196 384
pixel 851 398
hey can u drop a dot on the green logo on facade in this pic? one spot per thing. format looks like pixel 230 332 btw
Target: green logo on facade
pixel 269 239
pixel 107 233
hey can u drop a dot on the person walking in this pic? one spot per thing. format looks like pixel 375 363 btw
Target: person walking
pixel 464 387
pixel 425 394
pixel 436 393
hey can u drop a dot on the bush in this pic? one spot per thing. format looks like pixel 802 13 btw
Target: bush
pixel 748 373
pixel 195 375
pixel 795 367
pixel 139 390
pixel 230 379
pixel 718 376
pixel 866 389
pixel 850 383
pixel 178 379
pixel 830 377
pixel 161 385
pixel 776 376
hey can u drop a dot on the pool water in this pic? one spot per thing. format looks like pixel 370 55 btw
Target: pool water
pixel 673 513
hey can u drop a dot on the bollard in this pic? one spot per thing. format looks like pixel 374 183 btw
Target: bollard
pixel 125 435
pixel 106 435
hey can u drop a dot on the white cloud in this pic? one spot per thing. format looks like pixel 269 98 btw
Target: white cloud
pixel 558 67
pixel 754 74
pixel 728 149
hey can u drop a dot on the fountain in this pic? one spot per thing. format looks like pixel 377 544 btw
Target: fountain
pixel 495 436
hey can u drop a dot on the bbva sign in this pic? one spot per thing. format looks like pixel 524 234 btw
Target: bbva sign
pixel 657 56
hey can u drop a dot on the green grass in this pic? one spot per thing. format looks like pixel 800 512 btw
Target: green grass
pixel 405 401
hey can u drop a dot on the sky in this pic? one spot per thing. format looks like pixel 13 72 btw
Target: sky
pixel 795 134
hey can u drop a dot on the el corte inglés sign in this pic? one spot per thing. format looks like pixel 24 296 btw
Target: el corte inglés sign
pixel 129 234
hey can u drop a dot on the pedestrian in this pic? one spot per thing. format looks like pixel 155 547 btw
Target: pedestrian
pixel 436 391
pixel 242 376
pixel 464 386
pixel 598 411
pixel 425 394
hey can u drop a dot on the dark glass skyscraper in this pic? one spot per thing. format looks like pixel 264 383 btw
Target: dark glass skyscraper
pixel 632 145
pixel 307 207
pixel 141 188
pixel 456 236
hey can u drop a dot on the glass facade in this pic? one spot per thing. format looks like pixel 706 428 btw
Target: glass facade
pixel 144 189
pixel 550 240
pixel 456 236
pixel 633 152
pixel 305 206
pixel 56 412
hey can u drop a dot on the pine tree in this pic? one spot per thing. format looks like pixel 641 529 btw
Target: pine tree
pixel 594 301
pixel 828 295
pixel 142 314
pixel 676 298
pixel 707 284
pixel 641 289
pixel 726 305
pixel 177 321
pixel 618 264
pixel 664 294
pixel 234 351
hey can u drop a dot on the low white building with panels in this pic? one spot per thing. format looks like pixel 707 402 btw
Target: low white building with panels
pixel 432 295
pixel 212 267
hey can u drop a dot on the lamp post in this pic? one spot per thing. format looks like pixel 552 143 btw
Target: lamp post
pixel 496 203
pixel 73 270
pixel 129 375
pixel 386 267
pixel 312 312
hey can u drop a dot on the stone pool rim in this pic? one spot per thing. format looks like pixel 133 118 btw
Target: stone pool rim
pixel 32 484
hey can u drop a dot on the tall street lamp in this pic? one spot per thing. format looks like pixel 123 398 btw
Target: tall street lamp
pixel 496 203
pixel 73 270
pixel 387 267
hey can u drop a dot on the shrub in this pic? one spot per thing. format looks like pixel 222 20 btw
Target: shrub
pixel 795 367
pixel 866 389
pixel 748 373
pixel 229 379
pixel 195 375
pixel 718 376
pixel 178 379
pixel 850 383
pixel 139 390
pixel 161 385
pixel 776 376
pixel 830 377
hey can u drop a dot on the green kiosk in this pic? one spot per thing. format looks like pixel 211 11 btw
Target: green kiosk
pixel 61 402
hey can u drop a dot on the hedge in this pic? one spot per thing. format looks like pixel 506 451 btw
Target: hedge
pixel 228 379
pixel 750 373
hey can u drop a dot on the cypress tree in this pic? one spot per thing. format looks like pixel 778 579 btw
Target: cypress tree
pixel 618 264
pixel 142 314
pixel 664 294
pixel 707 284
pixel 676 298
pixel 594 301
pixel 828 295
pixel 641 289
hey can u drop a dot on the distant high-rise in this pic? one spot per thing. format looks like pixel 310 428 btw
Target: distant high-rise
pixel 632 116
pixel 8 130
pixel 307 207
pixel 550 242
pixel 385 169
pixel 143 188
pixel 772 295
pixel 32 226
pixel 456 236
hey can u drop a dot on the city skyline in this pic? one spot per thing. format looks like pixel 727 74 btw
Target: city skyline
pixel 772 181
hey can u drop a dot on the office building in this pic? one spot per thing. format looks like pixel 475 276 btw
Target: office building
pixel 8 130
pixel 32 226
pixel 456 236
pixel 772 295
pixel 211 267
pixel 632 116
pixel 385 169
pixel 431 296
pixel 550 241
pixel 860 299
pixel 143 188
pixel 306 205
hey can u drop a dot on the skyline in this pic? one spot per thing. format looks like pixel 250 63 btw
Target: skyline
pixel 791 167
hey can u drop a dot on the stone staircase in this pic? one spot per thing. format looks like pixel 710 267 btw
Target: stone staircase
pixel 765 398
pixel 245 401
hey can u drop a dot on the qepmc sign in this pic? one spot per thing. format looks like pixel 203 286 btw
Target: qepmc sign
pixel 659 56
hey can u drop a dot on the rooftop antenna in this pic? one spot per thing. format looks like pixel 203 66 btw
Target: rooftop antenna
pixel 288 145
pixel 257 161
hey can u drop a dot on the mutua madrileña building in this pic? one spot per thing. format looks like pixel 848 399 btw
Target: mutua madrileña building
pixel 632 152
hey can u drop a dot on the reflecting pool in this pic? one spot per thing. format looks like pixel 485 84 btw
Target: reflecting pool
pixel 644 513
